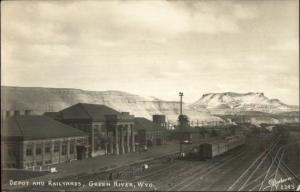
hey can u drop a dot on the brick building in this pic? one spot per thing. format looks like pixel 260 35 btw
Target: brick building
pixel 149 133
pixel 28 141
pixel 110 131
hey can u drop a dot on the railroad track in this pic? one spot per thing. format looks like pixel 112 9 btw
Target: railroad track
pixel 138 175
pixel 179 171
pixel 158 174
pixel 246 177
pixel 277 169
pixel 283 171
pixel 260 184
pixel 201 173
pixel 256 178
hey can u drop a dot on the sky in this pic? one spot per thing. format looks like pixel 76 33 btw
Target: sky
pixel 154 48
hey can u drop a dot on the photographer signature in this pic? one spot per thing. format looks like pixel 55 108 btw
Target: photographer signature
pixel 275 183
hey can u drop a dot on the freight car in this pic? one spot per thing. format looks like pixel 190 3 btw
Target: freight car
pixel 211 149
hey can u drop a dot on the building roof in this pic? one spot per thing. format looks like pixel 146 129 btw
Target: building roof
pixel 87 111
pixel 51 114
pixel 37 127
pixel 143 123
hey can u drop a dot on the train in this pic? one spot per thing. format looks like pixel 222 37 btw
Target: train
pixel 213 148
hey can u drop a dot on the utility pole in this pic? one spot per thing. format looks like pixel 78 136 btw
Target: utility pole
pixel 180 124
pixel 180 95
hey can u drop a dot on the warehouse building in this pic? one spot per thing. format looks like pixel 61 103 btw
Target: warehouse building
pixel 110 131
pixel 30 141
pixel 149 133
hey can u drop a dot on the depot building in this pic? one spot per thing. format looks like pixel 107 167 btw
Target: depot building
pixel 29 141
pixel 109 131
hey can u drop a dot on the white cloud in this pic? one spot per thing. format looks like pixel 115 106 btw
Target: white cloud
pixel 59 21
pixel 143 46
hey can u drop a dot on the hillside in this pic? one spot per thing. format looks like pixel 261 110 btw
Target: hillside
pixel 234 103
pixel 41 100
pixel 257 117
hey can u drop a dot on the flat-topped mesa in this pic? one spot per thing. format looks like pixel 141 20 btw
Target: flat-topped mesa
pixel 236 102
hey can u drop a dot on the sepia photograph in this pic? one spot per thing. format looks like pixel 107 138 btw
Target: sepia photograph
pixel 150 95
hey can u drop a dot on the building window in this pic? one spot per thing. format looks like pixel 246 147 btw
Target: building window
pixel 103 130
pixel 96 132
pixel 38 151
pixel 103 144
pixel 72 145
pixel 47 149
pixel 28 152
pixel 56 147
pixel 12 152
pixel 48 162
pixel 82 141
pixel 64 149
pixel 39 163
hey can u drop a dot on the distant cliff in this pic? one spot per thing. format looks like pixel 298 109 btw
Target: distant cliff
pixel 41 100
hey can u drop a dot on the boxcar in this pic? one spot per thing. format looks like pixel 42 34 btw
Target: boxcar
pixel 209 150
pixel 212 149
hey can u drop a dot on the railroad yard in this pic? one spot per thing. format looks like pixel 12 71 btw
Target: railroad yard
pixel 264 163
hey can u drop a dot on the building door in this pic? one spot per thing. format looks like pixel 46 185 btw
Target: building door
pixel 81 151
pixel 149 143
